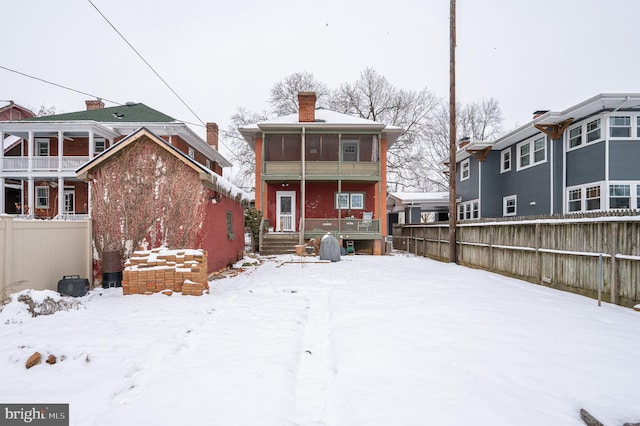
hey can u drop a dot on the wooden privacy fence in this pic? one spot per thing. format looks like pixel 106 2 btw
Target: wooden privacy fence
pixel 559 253
pixel 36 254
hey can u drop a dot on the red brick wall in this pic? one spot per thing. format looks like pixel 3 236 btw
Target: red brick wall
pixel 220 250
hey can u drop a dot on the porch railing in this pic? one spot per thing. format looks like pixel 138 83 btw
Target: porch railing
pixel 21 164
pixel 316 225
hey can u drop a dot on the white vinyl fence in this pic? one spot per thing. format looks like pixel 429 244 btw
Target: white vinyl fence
pixel 36 254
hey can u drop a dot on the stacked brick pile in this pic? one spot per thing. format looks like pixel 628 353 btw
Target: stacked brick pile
pixel 167 270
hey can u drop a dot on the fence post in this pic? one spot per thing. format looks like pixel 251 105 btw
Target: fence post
pixel 538 254
pixel 6 278
pixel 614 250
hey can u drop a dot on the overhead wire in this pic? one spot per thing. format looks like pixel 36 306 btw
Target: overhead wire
pixel 147 63
pixel 57 85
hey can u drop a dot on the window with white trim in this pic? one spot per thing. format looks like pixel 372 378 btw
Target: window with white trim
pixel 207 163
pixel 592 197
pixel 465 170
pixel 469 210
pixel 593 131
pixel 619 196
pixel 42 197
pixel 192 153
pixel 505 160
pixel 509 205
pixel 584 198
pixel 42 147
pixel 575 137
pixel 620 126
pixel 532 152
pixel 349 200
pixel 99 145
pixel 575 200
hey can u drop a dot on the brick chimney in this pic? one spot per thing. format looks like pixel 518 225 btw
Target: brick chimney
pixel 212 135
pixel 466 140
pixel 539 112
pixel 94 104
pixel 307 107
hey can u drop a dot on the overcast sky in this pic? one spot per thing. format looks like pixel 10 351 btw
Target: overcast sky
pixel 219 55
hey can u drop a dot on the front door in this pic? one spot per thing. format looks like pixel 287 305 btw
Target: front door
pixel 285 211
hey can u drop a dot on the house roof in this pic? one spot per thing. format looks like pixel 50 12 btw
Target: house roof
pixel 208 177
pixel 11 105
pixel 131 112
pixel 589 107
pixel 427 201
pixel 112 122
pixel 324 120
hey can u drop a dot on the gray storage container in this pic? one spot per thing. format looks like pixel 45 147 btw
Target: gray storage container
pixel 73 285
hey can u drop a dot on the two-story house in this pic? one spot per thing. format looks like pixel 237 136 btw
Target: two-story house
pixel 38 168
pixel 582 159
pixel 320 171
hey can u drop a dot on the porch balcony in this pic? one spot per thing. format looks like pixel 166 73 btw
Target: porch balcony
pixel 319 169
pixel 43 163
pixel 355 228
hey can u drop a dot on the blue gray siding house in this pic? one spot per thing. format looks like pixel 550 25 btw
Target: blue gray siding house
pixel 583 159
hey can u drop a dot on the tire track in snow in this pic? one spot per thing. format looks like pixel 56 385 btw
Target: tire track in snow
pixel 317 367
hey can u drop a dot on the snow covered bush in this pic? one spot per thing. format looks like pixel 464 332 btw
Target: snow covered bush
pixel 32 303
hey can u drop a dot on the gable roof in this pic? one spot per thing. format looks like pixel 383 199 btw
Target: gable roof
pixel 594 105
pixel 131 112
pixel 12 105
pixel 324 120
pixel 208 177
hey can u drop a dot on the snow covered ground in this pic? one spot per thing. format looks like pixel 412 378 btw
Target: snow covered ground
pixel 393 340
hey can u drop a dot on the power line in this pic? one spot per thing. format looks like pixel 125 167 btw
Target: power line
pixel 145 61
pixel 57 85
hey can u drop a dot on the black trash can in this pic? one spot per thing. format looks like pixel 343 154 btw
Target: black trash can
pixel 73 285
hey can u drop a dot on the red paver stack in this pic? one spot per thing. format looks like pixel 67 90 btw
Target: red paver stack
pixel 151 271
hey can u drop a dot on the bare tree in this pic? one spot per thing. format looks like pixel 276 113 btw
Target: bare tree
pixel 242 154
pixel 374 98
pixel 481 120
pixel 284 94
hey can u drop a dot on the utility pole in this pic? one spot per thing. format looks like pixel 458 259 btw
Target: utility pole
pixel 452 135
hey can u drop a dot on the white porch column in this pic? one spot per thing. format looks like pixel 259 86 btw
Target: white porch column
pixel 60 149
pixel 2 191
pixel 92 145
pixel 30 150
pixel 60 197
pixel 31 196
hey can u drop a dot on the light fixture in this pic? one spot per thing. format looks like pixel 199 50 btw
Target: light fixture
pixel 285 184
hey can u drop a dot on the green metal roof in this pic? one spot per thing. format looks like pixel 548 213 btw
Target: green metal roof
pixel 130 112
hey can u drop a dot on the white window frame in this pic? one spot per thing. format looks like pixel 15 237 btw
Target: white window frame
pixel 191 152
pixel 349 200
pixel 530 144
pixel 42 142
pixel 99 145
pixel 584 191
pixel 580 137
pixel 42 193
pixel 207 163
pixel 576 200
pixel 616 185
pixel 465 169
pixel 588 132
pixel 505 153
pixel 627 126
pixel 505 205
pixel 469 210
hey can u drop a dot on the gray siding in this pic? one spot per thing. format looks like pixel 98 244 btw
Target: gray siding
pixel 623 160
pixel 491 202
pixel 558 188
pixel 468 189
pixel 586 164
pixel 530 185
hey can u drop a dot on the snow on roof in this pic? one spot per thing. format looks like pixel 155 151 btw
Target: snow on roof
pixel 323 116
pixel 9 141
pixel 408 197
